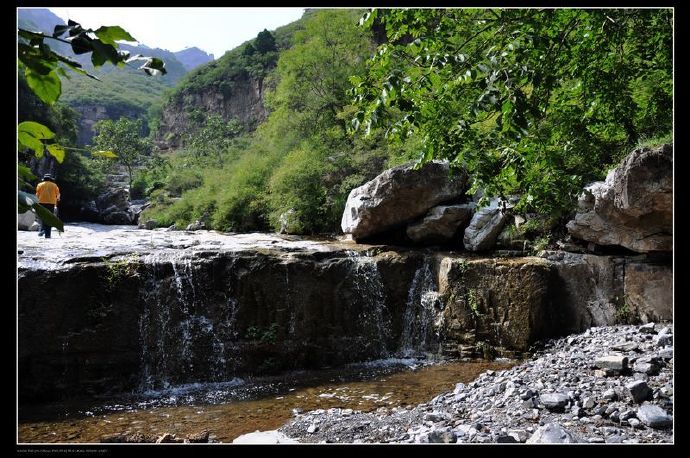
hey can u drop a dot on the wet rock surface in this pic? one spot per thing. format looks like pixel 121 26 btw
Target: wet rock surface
pixel 516 405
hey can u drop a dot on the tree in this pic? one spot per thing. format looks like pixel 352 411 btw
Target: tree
pixel 123 136
pixel 42 68
pixel 265 42
pixel 214 138
pixel 314 72
pixel 530 102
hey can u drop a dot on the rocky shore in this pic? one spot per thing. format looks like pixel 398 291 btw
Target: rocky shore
pixel 607 385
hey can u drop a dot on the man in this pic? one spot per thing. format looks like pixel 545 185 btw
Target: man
pixel 48 195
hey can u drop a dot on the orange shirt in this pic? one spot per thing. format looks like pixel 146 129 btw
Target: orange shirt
pixel 48 192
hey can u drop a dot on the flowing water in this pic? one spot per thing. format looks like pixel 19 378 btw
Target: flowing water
pixel 188 341
pixel 230 409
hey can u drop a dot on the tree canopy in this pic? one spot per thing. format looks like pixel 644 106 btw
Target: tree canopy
pixel 529 101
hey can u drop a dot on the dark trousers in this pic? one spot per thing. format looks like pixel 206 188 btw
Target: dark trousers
pixel 45 229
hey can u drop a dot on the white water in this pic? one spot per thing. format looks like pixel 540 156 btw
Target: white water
pixel 87 240
pixel 369 286
pixel 179 326
pixel 418 335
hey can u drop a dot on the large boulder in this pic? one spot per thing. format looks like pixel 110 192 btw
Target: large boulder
pixel 114 207
pixel 440 224
pixel 633 208
pixel 649 290
pixel 485 226
pixel 400 195
pixel 26 221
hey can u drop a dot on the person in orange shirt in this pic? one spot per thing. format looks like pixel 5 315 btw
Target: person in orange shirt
pixel 48 195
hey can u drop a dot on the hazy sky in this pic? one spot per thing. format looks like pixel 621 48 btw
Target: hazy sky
pixel 214 30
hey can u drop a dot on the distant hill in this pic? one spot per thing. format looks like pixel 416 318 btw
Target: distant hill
pixel 193 57
pixel 121 92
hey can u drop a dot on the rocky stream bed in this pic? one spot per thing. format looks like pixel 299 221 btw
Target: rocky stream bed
pixel 607 385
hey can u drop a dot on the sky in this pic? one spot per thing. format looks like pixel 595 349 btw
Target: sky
pixel 213 30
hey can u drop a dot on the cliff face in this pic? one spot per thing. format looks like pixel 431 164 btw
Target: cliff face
pixel 243 102
pixel 91 114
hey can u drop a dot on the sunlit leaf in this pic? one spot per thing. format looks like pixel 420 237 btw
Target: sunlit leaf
pixel 110 34
pixel 36 130
pixel 46 87
pixel 104 154
pixel 57 151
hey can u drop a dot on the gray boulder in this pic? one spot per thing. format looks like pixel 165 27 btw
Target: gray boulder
pixel 117 197
pixel 440 224
pixel 633 208
pixel 114 207
pixel 399 195
pixel 554 401
pixel 553 433
pixel 89 212
pixel 26 220
pixel 654 416
pixel 196 226
pixel 485 226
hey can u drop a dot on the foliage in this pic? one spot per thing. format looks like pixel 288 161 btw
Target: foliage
pixel 41 65
pixel 26 202
pixel 296 186
pixel 41 68
pixel 301 161
pixel 121 269
pixel 267 335
pixel 473 302
pixel 123 136
pixel 212 137
pixel 541 243
pixel 531 102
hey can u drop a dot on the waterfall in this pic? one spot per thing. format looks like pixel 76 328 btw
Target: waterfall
pixel 374 318
pixel 418 329
pixel 180 343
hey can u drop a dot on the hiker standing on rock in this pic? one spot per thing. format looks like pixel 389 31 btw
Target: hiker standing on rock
pixel 48 195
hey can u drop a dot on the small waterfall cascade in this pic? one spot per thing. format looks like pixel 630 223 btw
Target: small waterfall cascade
pixel 180 343
pixel 375 318
pixel 419 335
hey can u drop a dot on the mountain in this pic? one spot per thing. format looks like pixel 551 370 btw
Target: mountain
pixel 232 86
pixel 193 57
pixel 121 91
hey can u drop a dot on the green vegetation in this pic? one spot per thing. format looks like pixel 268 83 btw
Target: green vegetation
pixel 531 102
pixel 40 69
pixel 473 302
pixel 267 335
pixel 123 136
pixel 296 170
pixel 121 269
pixel 534 103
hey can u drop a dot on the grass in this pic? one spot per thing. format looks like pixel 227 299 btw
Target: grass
pixel 655 141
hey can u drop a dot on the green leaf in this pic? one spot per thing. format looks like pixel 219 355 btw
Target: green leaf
pixel 110 34
pixel 26 200
pixel 31 142
pixel 103 53
pixel 47 217
pixel 36 130
pixel 57 151
pixel 61 29
pixel 81 44
pixel 105 154
pixel 47 87
pixel 25 172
